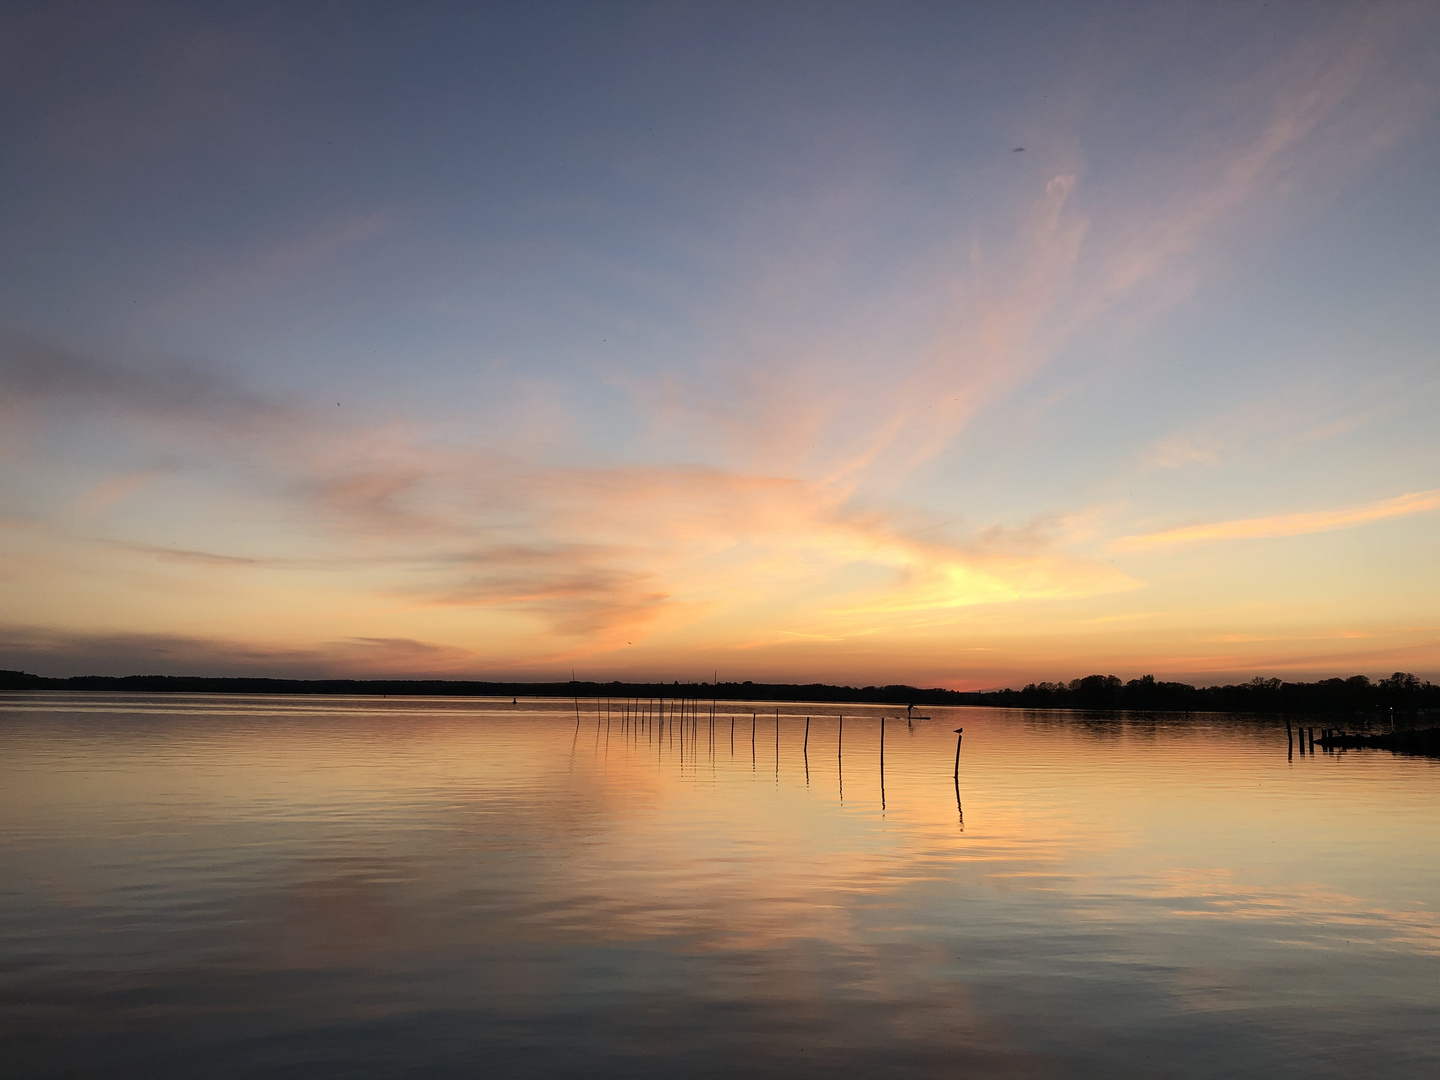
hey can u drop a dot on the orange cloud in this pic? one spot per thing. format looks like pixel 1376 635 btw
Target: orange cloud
pixel 1260 528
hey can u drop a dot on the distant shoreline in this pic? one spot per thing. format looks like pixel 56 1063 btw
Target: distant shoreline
pixel 1401 693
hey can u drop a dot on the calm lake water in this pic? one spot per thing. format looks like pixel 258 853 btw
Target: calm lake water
pixel 235 886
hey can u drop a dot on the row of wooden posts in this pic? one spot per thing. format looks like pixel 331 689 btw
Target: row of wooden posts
pixel 647 715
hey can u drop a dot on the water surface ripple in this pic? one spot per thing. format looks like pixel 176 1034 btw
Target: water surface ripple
pixel 317 887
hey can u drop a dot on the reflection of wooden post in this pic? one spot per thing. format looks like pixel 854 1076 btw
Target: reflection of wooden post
pixel 959 734
pixel 805 750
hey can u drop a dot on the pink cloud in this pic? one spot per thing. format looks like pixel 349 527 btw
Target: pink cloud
pixel 1297 524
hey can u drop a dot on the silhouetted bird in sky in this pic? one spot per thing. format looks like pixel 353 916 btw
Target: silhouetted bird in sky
pixel 1017 150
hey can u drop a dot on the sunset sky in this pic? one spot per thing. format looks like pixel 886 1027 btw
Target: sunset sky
pixel 950 344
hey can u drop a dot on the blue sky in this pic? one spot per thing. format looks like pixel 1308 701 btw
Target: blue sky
pixel 655 339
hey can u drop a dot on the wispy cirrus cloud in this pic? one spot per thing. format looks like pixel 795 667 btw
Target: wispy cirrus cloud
pixel 1297 418
pixel 1297 524
pixel 887 383
pixel 40 380
pixel 47 650
pixel 278 265
pixel 598 556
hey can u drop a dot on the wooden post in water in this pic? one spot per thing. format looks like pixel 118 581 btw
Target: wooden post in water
pixel 959 734
pixel 805 750
pixel 882 763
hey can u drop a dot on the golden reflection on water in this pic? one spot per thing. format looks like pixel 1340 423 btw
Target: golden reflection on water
pixel 1104 885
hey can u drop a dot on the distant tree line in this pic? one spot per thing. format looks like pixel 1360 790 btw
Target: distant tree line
pixel 724 691
pixel 398 687
pixel 1401 692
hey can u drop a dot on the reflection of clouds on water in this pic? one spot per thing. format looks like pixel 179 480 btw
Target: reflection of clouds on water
pixel 1303 913
pixel 465 874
